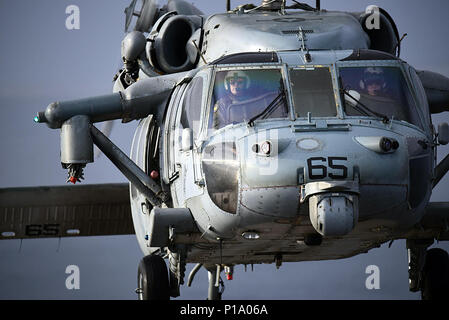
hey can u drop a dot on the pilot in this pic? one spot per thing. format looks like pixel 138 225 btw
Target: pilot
pixel 375 91
pixel 236 83
pixel 373 82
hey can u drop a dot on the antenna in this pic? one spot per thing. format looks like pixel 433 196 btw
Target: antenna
pixel 228 5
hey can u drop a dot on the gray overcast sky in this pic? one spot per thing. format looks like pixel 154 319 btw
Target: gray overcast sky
pixel 42 61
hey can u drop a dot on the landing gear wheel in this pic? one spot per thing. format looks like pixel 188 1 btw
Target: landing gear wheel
pixel 152 279
pixel 435 285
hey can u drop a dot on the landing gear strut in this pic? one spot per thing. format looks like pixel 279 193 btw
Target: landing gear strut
pixel 216 285
pixel 152 279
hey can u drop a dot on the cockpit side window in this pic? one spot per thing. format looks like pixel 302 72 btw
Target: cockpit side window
pixel 313 92
pixel 378 90
pixel 240 95
pixel 191 108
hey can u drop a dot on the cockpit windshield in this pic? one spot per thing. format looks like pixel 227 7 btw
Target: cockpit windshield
pixel 313 92
pixel 377 91
pixel 242 95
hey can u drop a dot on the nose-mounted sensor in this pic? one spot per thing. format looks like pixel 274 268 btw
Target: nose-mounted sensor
pixel 379 144
pixel 387 144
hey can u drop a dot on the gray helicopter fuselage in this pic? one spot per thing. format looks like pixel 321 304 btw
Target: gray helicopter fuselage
pixel 226 34
pixel 271 201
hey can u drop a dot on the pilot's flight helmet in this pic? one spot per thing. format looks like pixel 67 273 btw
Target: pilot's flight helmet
pixel 373 74
pixel 237 75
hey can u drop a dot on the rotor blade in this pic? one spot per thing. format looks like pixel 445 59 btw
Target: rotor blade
pixel 129 11
pixel 147 16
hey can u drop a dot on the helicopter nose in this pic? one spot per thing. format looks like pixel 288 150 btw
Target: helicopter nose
pixel 329 176
pixel 265 188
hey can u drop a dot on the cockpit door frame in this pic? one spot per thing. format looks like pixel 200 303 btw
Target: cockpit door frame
pixel 198 141
pixel 170 171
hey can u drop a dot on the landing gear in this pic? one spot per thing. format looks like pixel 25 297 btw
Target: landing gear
pixel 152 279
pixel 435 284
pixel 428 270
pixel 216 285
pixel 177 268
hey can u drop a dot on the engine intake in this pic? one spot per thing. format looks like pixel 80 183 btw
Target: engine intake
pixel 166 47
pixel 384 36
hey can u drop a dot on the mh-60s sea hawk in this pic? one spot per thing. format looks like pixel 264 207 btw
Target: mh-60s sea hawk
pixel 266 134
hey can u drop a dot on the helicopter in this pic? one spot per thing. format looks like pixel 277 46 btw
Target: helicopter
pixel 221 195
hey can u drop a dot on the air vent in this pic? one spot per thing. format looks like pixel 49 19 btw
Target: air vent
pixel 296 32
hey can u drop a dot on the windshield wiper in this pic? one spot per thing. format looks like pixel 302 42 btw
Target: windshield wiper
pixel 360 107
pixel 270 108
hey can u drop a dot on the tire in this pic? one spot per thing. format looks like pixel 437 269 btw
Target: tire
pixel 152 279
pixel 435 284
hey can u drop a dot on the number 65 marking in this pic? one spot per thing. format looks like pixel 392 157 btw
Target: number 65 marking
pixel 340 171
